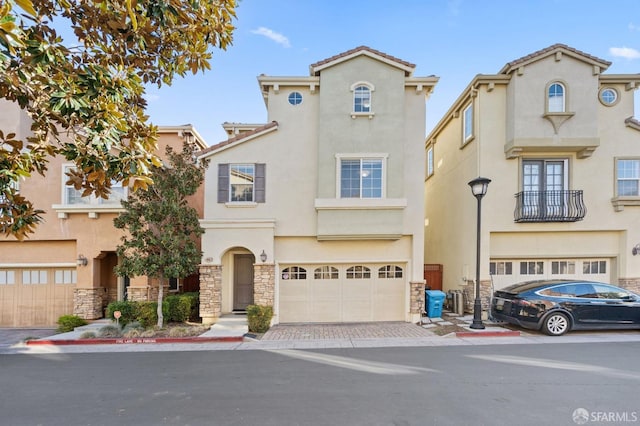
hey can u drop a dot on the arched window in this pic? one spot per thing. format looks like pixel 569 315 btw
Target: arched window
pixel 556 97
pixel 325 273
pixel 390 271
pixel 358 272
pixel 362 97
pixel 294 273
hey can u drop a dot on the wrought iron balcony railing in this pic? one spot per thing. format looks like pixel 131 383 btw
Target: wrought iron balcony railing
pixel 549 206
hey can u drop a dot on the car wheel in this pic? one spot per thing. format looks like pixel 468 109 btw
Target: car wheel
pixel 556 324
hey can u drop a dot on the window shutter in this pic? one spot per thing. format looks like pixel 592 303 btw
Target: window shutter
pixel 223 183
pixel 259 185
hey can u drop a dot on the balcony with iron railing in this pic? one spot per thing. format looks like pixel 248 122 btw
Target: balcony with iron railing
pixel 549 206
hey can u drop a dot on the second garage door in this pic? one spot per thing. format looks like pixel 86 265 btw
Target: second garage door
pixel 342 293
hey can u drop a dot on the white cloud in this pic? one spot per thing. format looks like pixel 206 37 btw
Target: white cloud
pixel 624 52
pixel 270 34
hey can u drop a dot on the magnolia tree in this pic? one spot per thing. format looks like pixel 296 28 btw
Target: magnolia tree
pixel 86 97
pixel 162 227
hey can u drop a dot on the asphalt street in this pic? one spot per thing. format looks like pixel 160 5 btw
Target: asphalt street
pixel 448 385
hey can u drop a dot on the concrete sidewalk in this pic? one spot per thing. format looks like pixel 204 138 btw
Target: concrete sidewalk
pixel 230 333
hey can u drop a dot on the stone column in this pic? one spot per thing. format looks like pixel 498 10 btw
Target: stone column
pixel 87 303
pixel 416 300
pixel 470 295
pixel 631 284
pixel 264 284
pixel 210 293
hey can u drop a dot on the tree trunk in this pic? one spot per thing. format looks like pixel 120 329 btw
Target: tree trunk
pixel 160 297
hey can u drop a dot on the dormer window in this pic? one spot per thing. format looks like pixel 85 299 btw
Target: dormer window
pixel 362 99
pixel 556 98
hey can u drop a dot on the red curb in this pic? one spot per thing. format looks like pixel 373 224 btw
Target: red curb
pixel 139 340
pixel 487 333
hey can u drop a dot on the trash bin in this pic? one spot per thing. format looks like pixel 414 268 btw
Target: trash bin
pixel 435 300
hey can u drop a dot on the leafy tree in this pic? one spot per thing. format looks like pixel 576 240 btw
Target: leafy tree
pixel 162 226
pixel 86 102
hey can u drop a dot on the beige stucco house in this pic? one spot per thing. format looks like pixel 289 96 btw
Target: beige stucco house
pixel 319 212
pixel 66 266
pixel 557 137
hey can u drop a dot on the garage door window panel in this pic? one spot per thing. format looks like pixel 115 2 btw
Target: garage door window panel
pixel 594 267
pixel 390 271
pixel 531 268
pixel 294 273
pixel 7 277
pixel 326 273
pixel 358 272
pixel 563 267
pixel 65 276
pixel 34 277
pixel 500 268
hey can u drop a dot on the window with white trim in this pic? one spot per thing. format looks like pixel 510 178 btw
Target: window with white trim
pixel 325 273
pixel 362 99
pixel 7 277
pixel 34 276
pixel 361 178
pixel 241 183
pixel 556 97
pixel 390 271
pixel 430 161
pixel 467 124
pixel 74 196
pixel 174 284
pixel 65 276
pixel 358 272
pixel 628 177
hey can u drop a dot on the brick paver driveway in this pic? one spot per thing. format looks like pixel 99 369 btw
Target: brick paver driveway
pixel 377 330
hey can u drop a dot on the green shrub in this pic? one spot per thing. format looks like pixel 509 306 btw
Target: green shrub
pixel 194 299
pixel 147 313
pixel 178 307
pixel 110 331
pixel 259 318
pixel 134 325
pixel 88 335
pixel 127 311
pixel 67 323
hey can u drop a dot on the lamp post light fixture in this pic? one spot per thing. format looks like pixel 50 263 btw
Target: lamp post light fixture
pixel 478 189
pixel 263 256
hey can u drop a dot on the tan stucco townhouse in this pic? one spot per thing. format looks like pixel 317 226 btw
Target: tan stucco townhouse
pixel 319 212
pixel 66 266
pixel 557 137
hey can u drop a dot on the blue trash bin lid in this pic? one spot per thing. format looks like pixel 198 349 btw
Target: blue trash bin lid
pixel 436 293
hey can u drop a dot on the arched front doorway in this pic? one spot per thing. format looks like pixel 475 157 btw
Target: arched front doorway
pixel 243 277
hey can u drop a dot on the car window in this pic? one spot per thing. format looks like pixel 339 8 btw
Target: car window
pixel 560 291
pixel 586 291
pixel 606 292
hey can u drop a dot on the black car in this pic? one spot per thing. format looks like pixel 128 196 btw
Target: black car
pixel 557 306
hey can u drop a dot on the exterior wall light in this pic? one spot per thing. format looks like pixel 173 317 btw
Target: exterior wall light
pixel 263 256
pixel 81 260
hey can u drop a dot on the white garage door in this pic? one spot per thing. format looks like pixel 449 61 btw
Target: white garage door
pixel 342 293
pixel 507 272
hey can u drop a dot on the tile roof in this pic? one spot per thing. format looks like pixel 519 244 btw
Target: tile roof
pixel 529 57
pixel 359 49
pixel 238 138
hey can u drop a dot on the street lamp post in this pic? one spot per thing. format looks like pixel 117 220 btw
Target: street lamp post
pixel 478 189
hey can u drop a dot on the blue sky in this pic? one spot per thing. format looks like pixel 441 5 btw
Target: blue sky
pixel 452 39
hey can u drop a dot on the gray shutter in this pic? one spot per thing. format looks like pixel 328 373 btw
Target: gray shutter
pixel 223 183
pixel 259 186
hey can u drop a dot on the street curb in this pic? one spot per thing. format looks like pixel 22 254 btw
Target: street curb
pixel 138 340
pixel 488 334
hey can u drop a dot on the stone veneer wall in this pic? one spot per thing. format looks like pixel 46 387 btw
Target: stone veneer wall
pixel 416 301
pixel 469 291
pixel 264 284
pixel 632 284
pixel 88 302
pixel 138 294
pixel 210 293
